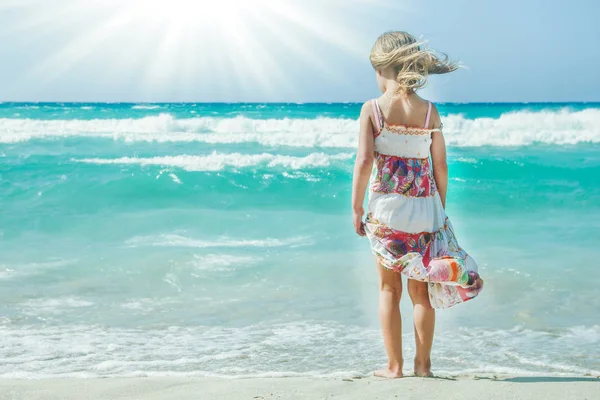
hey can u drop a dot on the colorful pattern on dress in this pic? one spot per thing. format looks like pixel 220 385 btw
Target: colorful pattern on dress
pixel 397 243
pixel 407 176
pixel 434 257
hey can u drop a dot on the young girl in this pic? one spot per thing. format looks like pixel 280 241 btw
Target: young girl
pixel 406 222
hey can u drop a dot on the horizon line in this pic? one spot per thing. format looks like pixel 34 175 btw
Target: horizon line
pixel 288 102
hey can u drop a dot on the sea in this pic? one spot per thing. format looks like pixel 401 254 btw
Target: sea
pixel 217 240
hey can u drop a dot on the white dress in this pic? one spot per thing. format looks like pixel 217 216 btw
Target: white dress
pixel 406 223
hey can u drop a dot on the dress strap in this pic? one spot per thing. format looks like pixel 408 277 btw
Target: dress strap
pixel 378 117
pixel 428 116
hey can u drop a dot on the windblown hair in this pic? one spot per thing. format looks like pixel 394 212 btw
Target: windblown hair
pixel 412 60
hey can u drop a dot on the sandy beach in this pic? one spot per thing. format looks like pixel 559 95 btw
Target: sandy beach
pixel 447 388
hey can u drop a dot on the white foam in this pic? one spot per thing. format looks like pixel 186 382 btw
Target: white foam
pixel 143 107
pixel 54 305
pixel 510 129
pixel 146 305
pixel 175 179
pixel 14 271
pixel 301 348
pixel 7 273
pixel 299 175
pixel 222 262
pixel 172 280
pixel 173 240
pixel 525 128
pixel 219 161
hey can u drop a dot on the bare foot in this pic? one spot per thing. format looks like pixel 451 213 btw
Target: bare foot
pixel 423 373
pixel 423 369
pixel 388 373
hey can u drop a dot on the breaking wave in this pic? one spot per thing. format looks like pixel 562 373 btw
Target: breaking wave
pixel 510 129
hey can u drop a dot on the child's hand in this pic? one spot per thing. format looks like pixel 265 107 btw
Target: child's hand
pixel 359 225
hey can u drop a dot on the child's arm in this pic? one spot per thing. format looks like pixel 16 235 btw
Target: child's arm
pixel 362 167
pixel 438 157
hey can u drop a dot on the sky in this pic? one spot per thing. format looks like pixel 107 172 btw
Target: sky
pixel 291 50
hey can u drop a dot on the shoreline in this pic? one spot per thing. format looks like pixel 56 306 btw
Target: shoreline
pixel 447 388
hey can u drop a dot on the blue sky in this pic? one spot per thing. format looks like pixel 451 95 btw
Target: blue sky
pixel 176 50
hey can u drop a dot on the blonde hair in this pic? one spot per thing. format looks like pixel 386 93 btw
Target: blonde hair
pixel 412 60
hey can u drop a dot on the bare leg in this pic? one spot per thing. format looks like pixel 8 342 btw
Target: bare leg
pixel 390 291
pixel 424 316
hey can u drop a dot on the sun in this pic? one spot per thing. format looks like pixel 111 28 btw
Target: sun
pixel 211 12
pixel 180 47
pixel 182 11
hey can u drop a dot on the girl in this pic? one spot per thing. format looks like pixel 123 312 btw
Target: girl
pixel 406 221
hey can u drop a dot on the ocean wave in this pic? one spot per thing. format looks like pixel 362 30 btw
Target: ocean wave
pixel 222 262
pixel 145 107
pixel 53 305
pixel 219 161
pixel 510 129
pixel 322 132
pixel 302 348
pixel 525 128
pixel 173 240
pixel 26 270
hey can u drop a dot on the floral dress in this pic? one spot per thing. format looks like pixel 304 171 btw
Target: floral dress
pixel 407 225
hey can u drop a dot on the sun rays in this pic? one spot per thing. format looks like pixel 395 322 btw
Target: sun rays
pixel 176 44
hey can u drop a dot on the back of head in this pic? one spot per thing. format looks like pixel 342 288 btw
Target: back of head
pixel 412 60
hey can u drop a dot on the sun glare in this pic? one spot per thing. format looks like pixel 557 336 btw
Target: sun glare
pixel 168 45
pixel 191 11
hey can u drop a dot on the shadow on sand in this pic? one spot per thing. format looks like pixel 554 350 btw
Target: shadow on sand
pixel 533 379
pixel 537 379
pixel 517 379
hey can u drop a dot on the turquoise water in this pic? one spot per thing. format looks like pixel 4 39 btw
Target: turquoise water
pixel 216 239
